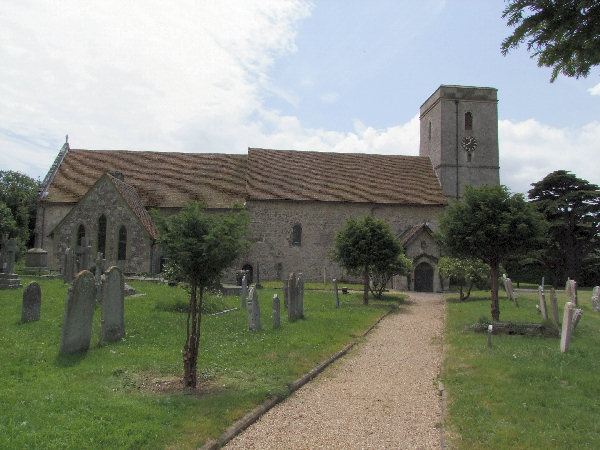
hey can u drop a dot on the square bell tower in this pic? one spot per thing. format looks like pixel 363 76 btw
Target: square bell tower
pixel 459 133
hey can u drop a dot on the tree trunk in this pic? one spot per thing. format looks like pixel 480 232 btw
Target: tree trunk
pixel 190 349
pixel 495 307
pixel 366 287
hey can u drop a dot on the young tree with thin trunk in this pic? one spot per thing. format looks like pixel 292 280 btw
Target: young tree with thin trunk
pixel 199 247
pixel 490 224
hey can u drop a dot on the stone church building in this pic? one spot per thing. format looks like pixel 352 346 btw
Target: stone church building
pixel 297 200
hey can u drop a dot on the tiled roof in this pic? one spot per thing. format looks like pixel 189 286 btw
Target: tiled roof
pixel 409 234
pixel 130 195
pixel 161 179
pixel 341 177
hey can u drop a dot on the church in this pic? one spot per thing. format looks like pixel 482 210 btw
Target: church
pixel 297 200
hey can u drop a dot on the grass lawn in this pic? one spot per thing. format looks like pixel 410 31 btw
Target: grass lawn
pixel 128 394
pixel 523 392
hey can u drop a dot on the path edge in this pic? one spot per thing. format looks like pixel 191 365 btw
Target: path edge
pixel 251 417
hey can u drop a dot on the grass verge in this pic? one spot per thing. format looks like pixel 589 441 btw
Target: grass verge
pixel 128 394
pixel 522 392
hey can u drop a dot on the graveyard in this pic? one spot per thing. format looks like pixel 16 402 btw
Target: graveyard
pixel 128 392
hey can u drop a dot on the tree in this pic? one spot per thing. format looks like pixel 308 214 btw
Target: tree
pixel 490 224
pixel 572 208
pixel 7 222
pixel 463 272
pixel 364 246
pixel 380 275
pixel 200 246
pixel 19 193
pixel 563 34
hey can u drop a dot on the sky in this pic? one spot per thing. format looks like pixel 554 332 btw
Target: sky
pixel 328 75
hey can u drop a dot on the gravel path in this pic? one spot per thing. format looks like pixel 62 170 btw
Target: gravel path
pixel 382 394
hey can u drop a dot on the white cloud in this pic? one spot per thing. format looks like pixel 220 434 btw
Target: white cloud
pixel 595 90
pixel 330 97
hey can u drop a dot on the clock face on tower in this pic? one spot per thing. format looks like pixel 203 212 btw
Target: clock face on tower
pixel 469 143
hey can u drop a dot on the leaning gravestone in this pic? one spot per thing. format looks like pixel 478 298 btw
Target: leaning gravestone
pixel 596 298
pixel 554 307
pixel 508 287
pixel 543 307
pixel 113 306
pixel 254 310
pixel 565 335
pixel 79 314
pixel 576 318
pixel 276 311
pixel 32 303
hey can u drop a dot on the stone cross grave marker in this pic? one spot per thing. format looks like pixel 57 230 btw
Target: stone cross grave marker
pixel 32 303
pixel 113 306
pixel 276 311
pixel 337 294
pixel 244 292
pixel 11 252
pixel 596 298
pixel 565 335
pixel 543 308
pixel 79 314
pixel 554 307
pixel 254 310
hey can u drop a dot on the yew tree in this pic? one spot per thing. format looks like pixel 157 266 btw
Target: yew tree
pixel 490 224
pixel 199 247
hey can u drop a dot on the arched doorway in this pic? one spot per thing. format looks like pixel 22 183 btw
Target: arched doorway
pixel 424 277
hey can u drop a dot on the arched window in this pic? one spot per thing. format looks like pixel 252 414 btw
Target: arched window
pixel 81 236
pixel 122 249
pixel 297 235
pixel 102 234
pixel 468 121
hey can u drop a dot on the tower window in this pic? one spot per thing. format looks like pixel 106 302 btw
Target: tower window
pixel 468 121
pixel 122 250
pixel 102 234
pixel 297 235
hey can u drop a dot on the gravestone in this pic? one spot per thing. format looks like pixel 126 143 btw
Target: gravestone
pixel 69 266
pixel 276 311
pixel 295 296
pixel 337 294
pixel 576 318
pixel 300 287
pixel 79 314
pixel 508 287
pixel 83 256
pixel 36 259
pixel 596 298
pixel 113 305
pixel 286 300
pixel 244 291
pixel 32 303
pixel 8 279
pixel 543 302
pixel 3 252
pixel 254 310
pixel 565 335
pixel 554 307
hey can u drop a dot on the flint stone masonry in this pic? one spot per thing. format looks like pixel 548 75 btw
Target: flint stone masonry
pixel 79 314
pixel 113 306
pixel 32 303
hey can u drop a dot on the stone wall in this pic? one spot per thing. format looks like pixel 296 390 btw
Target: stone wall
pixel 103 198
pixel 272 224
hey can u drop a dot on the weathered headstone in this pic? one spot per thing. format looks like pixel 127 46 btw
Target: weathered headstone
pixel 276 311
pixel 300 287
pixel 113 305
pixel 254 310
pixel 543 307
pixel 574 292
pixel 244 291
pixel 554 307
pixel 286 300
pixel 8 279
pixel 79 314
pixel 69 266
pixel 596 298
pixel 508 287
pixel 337 294
pixel 32 302
pixel 565 335
pixel 83 256
pixel 295 297
pixel 576 318
pixel 11 253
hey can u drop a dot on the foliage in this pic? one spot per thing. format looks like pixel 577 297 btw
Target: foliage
pixel 8 225
pixel 572 208
pixel 200 246
pixel 490 224
pixel 381 275
pixel 564 35
pixel 463 272
pixel 128 394
pixel 19 193
pixel 365 245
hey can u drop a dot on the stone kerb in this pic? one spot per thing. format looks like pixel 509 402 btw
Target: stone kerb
pixel 79 314
pixel 32 303
pixel 113 305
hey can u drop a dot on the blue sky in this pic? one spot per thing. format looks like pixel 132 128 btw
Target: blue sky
pixel 328 75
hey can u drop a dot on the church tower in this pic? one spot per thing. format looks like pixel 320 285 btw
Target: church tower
pixel 459 133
